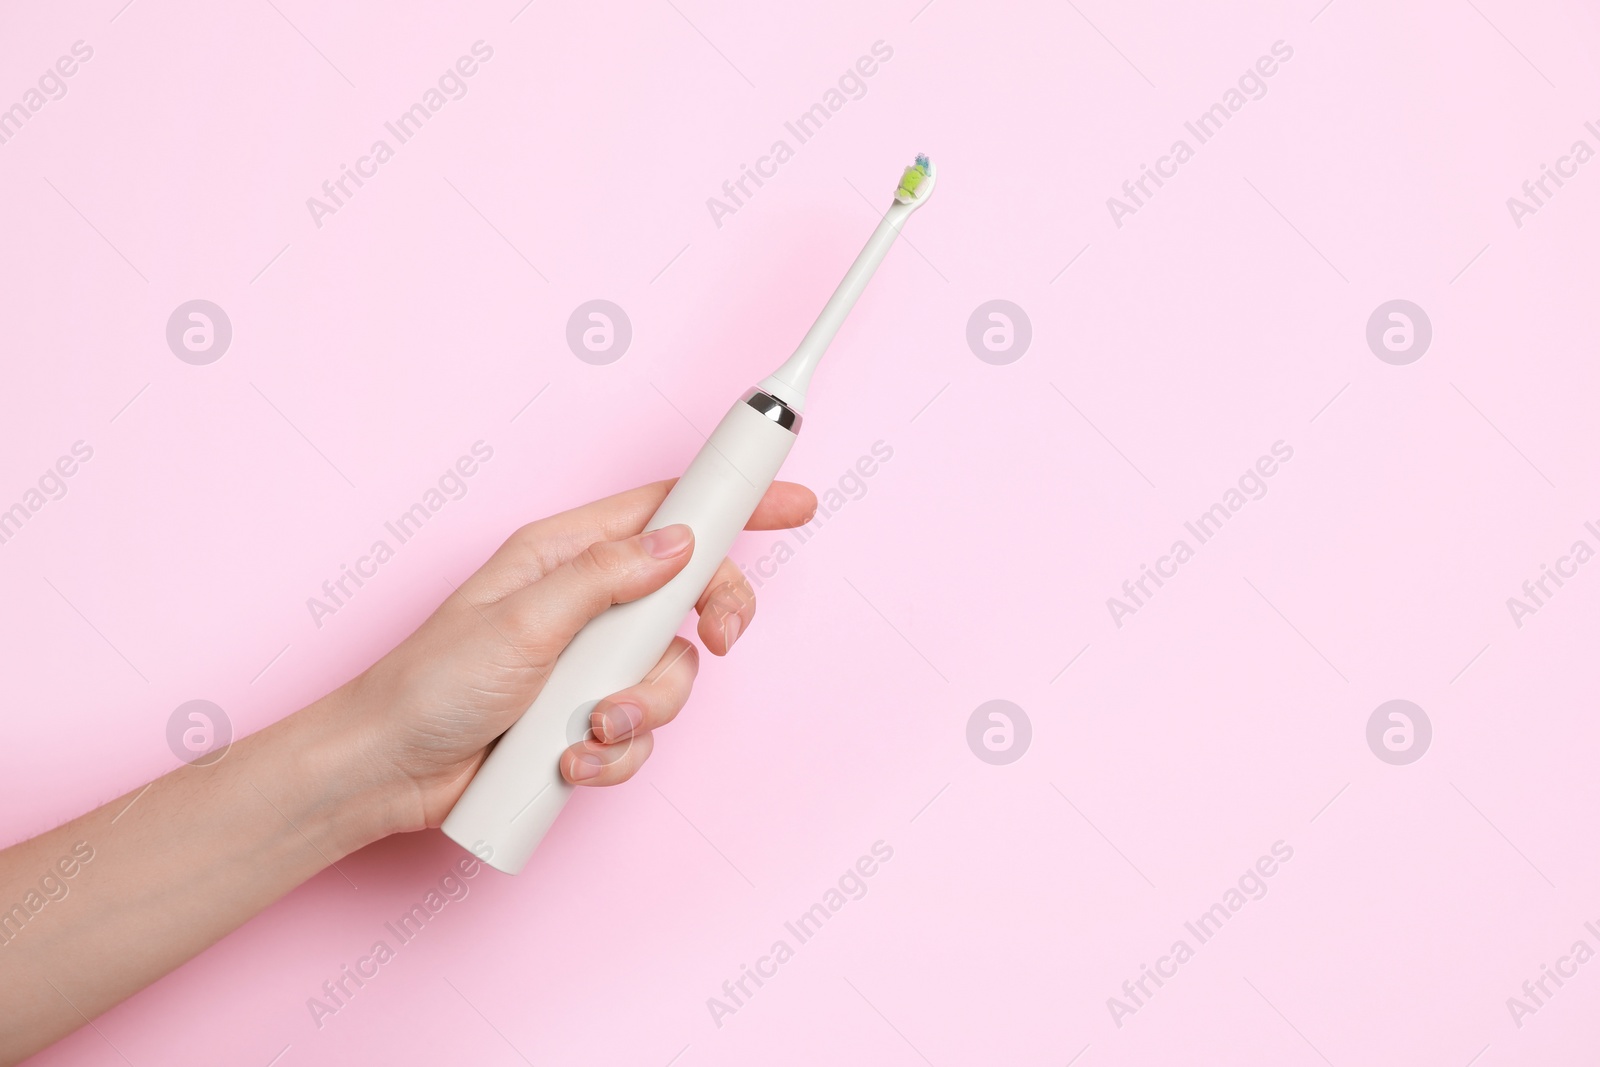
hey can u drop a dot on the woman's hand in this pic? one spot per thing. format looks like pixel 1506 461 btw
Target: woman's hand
pixel 163 871
pixel 428 710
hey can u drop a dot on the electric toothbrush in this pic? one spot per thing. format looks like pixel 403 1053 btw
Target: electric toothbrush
pixel 518 792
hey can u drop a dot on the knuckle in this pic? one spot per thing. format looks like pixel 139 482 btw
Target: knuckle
pixel 525 543
pixel 525 623
pixel 520 560
pixel 668 711
pixel 732 598
pixel 518 615
pixel 639 750
pixel 682 661
pixel 602 562
pixel 690 669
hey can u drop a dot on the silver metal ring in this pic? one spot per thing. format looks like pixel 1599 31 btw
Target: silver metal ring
pixel 774 409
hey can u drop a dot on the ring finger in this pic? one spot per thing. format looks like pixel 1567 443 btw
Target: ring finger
pixel 652 703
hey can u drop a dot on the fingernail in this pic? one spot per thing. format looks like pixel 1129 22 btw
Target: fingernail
pixel 732 623
pixel 668 541
pixel 619 720
pixel 585 766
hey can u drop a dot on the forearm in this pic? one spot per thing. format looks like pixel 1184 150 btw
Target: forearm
pixel 95 910
pixel 158 875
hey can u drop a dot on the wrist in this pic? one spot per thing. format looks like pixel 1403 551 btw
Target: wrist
pixel 347 791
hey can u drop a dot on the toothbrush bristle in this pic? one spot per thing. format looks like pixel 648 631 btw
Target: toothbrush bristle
pixel 911 179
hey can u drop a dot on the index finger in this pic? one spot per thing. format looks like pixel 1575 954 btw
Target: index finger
pixel 541 546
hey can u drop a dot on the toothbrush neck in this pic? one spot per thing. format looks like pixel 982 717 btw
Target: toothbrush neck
pixel 797 370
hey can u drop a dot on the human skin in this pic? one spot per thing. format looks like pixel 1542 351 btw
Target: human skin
pixel 177 865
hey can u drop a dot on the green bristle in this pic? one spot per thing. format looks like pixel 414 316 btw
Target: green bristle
pixel 911 179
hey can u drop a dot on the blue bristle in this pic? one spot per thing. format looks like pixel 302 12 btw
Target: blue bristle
pixel 922 161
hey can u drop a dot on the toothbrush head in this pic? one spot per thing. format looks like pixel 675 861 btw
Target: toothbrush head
pixel 916 184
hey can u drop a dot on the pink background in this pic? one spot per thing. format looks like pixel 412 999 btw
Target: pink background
pixel 1228 714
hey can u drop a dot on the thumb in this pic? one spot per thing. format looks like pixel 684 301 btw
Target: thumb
pixel 546 615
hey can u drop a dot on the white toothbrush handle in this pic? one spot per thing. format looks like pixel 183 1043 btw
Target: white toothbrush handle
pixel 519 791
